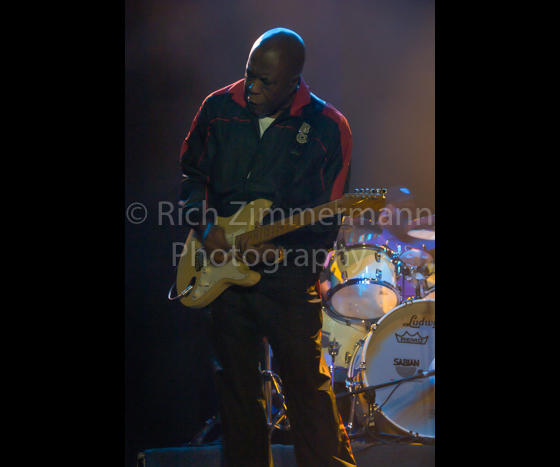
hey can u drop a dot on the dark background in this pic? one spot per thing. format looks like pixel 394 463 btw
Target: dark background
pixel 374 60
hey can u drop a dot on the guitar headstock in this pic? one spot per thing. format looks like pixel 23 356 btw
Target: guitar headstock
pixel 368 194
pixel 365 199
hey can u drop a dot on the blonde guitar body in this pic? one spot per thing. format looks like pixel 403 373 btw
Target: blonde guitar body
pixel 208 282
pixel 200 281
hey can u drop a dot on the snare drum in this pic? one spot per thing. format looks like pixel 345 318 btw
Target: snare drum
pixel 401 345
pixel 362 283
pixel 345 335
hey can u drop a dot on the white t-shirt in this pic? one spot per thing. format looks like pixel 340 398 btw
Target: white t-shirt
pixel 265 123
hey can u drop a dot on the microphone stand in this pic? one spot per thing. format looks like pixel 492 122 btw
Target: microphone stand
pixel 371 389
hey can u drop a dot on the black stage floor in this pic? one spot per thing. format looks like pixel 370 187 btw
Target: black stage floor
pixel 367 455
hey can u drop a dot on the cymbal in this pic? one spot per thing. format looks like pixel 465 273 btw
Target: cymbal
pixel 424 228
pixel 417 258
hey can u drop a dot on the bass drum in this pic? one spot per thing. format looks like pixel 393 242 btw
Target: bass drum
pixel 401 345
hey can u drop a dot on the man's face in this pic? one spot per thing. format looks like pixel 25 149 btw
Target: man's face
pixel 269 84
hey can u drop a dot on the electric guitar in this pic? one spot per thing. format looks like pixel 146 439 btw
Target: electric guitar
pixel 202 281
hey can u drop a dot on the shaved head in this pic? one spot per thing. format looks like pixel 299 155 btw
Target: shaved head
pixel 274 72
pixel 288 44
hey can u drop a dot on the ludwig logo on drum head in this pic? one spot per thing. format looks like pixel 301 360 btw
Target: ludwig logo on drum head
pixel 417 323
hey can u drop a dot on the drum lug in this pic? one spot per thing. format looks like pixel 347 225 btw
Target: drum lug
pixel 334 348
pixel 352 385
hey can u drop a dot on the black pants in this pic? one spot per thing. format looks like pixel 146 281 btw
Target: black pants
pixel 277 308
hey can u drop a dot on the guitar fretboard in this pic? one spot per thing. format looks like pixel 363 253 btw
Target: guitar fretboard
pixel 354 205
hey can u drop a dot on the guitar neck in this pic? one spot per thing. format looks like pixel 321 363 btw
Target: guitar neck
pixel 352 204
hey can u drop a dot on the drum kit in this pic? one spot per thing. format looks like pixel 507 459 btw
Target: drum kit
pixel 379 335
pixel 379 340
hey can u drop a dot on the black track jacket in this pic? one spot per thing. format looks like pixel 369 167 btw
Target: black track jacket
pixel 302 161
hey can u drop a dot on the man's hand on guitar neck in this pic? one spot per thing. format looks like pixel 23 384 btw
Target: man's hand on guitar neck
pixel 254 254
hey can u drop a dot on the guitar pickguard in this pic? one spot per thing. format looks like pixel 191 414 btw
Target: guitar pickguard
pixel 232 236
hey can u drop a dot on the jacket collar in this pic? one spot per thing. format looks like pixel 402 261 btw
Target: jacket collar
pixel 303 98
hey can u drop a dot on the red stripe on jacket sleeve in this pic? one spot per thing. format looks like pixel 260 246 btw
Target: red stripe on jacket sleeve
pixel 347 144
pixel 236 89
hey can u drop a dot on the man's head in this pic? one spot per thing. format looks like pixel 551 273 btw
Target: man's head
pixel 274 72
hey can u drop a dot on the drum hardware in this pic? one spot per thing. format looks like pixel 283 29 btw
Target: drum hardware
pixel 356 392
pixel 353 386
pixel 334 349
pixel 198 440
pixel 280 421
pixel 341 246
pixel 370 396
pixel 419 270
pixel 418 277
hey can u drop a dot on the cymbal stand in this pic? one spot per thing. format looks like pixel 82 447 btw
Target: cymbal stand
pixel 419 291
pixel 280 422
pixel 353 386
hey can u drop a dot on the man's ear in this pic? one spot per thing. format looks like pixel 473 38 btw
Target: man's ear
pixel 296 84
